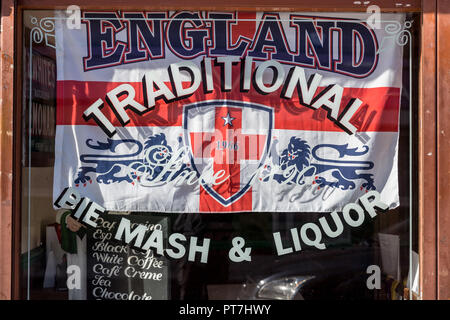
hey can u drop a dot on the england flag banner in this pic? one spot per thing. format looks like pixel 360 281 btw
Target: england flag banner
pixel 227 112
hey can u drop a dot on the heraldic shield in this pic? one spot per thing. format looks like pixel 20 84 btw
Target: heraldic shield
pixel 228 142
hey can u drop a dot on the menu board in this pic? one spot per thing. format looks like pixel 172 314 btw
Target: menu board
pixel 118 272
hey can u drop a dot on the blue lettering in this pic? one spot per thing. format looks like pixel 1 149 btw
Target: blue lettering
pixel 188 42
pixel 222 36
pixel 358 66
pixel 104 50
pixel 308 39
pixel 270 41
pixel 143 41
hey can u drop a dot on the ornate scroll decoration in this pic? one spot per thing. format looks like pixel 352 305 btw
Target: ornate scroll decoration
pixel 398 34
pixel 43 29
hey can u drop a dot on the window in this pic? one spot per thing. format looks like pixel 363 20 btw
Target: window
pixel 219 155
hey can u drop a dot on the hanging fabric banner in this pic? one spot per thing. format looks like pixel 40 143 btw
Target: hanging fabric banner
pixel 227 112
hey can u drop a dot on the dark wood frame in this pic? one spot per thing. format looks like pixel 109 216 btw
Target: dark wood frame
pixel 434 167
pixel 443 149
pixel 7 64
pixel 229 5
pixel 427 154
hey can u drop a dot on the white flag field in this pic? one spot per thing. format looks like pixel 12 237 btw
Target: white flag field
pixel 227 112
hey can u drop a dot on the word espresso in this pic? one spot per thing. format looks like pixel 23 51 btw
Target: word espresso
pixel 187 77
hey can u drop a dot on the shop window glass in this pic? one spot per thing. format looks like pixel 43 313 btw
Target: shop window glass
pixel 218 155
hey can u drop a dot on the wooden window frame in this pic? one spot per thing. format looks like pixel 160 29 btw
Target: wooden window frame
pixel 434 223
